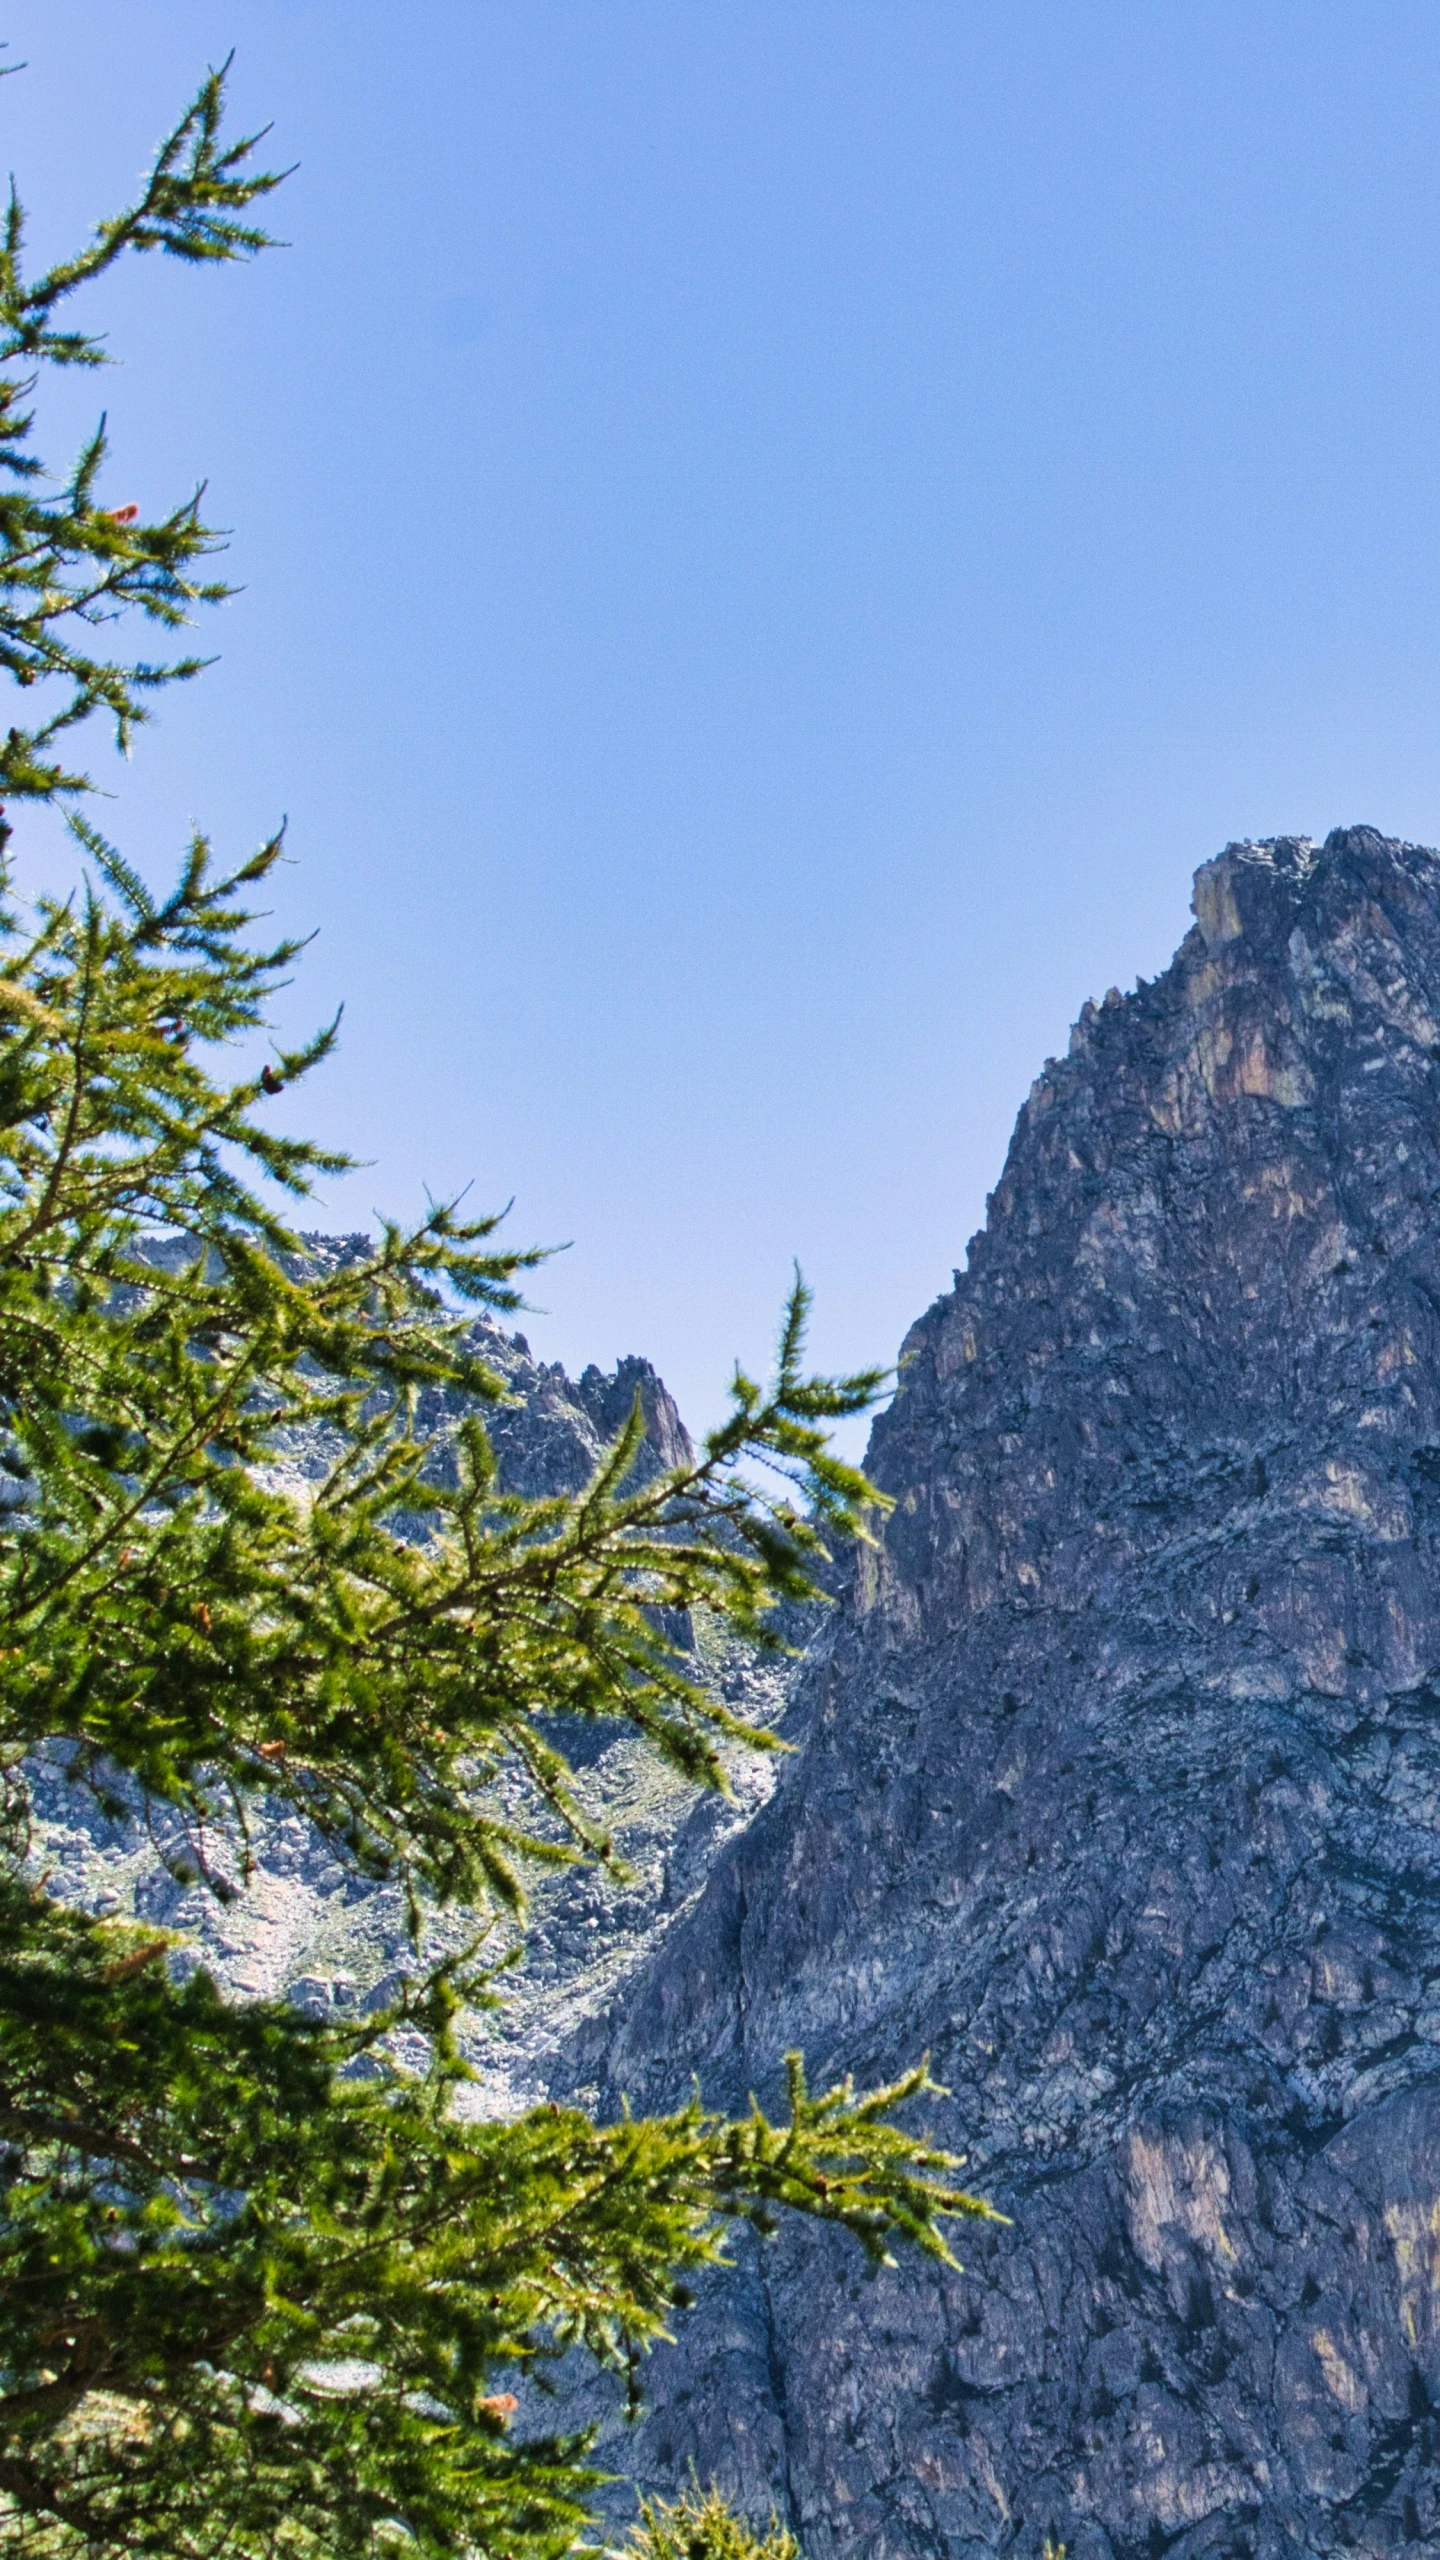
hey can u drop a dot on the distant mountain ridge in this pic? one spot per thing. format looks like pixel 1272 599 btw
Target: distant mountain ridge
pixel 306 1929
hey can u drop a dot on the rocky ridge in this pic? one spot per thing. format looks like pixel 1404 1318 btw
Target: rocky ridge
pixel 1120 1792
pixel 306 1928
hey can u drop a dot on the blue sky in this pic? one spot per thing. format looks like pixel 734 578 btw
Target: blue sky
pixel 774 539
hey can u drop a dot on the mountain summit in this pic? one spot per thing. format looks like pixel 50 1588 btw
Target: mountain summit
pixel 1119 1789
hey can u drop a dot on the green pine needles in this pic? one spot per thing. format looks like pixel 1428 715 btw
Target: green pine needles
pixel 69 566
pixel 263 2290
pixel 700 2526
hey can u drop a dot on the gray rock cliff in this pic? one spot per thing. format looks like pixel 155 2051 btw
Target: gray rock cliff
pixel 1119 1790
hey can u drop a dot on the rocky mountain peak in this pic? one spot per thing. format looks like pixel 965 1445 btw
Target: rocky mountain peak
pixel 1120 1791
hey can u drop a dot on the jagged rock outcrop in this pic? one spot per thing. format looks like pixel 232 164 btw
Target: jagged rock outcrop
pixel 1120 1791
pixel 306 1926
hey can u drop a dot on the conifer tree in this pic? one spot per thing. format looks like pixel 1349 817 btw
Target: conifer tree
pixel 263 2289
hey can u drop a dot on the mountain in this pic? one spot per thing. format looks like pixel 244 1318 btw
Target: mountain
pixel 305 1926
pixel 1119 1791
pixel 1116 1785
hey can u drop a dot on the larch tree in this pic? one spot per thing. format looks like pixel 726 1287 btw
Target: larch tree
pixel 214 2215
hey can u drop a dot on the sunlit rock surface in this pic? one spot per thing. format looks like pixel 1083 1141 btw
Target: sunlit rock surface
pixel 1120 1792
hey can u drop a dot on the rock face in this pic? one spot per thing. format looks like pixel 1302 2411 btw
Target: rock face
pixel 1120 1791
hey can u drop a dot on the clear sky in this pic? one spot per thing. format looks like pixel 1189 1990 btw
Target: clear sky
pixel 775 534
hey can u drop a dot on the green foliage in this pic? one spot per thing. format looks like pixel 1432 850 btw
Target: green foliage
pixel 69 566
pixel 176 1617
pixel 282 2294
pixel 259 2283
pixel 701 2526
